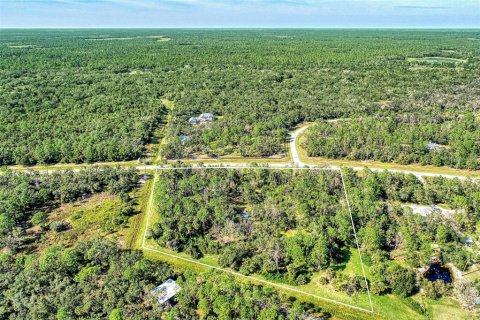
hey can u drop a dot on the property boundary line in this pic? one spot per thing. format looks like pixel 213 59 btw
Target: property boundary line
pixel 149 209
pixel 356 240
pixel 253 279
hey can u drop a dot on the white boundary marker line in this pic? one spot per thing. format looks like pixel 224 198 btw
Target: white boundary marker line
pixel 272 284
pixel 356 240
pixel 253 279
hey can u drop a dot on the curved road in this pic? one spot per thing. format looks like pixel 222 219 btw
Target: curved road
pixel 293 146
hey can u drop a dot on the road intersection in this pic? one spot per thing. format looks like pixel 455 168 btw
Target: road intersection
pixel 296 163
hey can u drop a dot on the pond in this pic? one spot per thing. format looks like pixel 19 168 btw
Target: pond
pixel 437 272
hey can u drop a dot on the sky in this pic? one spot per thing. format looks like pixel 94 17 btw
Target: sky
pixel 241 13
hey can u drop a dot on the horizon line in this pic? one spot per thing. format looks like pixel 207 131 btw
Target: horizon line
pixel 245 27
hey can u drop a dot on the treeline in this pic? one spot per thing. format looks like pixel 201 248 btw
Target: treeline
pixel 433 140
pixel 288 225
pixel 64 98
pixel 24 195
pixel 97 280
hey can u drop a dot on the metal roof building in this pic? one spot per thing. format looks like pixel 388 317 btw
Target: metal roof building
pixel 166 290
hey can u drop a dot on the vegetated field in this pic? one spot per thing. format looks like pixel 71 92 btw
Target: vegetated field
pixel 73 205
pixel 66 98
pixel 441 140
pixel 293 227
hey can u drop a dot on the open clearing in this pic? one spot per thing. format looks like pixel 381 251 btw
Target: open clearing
pixel 426 210
pixel 436 60
pixel 86 219
pixel 157 38
pixel 21 46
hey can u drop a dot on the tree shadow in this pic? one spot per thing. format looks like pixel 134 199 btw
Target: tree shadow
pixel 345 257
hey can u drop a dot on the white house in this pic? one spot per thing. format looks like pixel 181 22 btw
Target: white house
pixel 166 290
pixel 204 117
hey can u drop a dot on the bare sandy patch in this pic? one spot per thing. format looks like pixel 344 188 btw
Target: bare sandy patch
pixel 21 46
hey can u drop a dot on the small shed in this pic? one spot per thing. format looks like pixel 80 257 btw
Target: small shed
pixel 245 216
pixel 184 139
pixel 432 146
pixel 166 290
pixel 468 241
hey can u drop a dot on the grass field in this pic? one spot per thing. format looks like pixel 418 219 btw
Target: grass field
pixel 97 216
pixel 101 211
pixel 446 309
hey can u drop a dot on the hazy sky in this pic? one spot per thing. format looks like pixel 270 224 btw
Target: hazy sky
pixel 240 13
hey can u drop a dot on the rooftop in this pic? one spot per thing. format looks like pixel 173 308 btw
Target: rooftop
pixel 166 290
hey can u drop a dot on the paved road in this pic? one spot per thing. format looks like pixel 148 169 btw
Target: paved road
pixel 293 147
pixel 302 166
pixel 295 164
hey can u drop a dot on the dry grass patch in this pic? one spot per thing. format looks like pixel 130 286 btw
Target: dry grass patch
pixel 94 216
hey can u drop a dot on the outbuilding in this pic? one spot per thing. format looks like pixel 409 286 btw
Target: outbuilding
pixel 184 139
pixel 166 290
pixel 193 120
pixel 432 146
pixel 206 117
pixel 468 241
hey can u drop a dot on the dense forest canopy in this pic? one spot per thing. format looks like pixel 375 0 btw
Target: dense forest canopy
pixel 96 95
pixel 451 141
pixel 98 280
pixel 82 96
pixel 288 225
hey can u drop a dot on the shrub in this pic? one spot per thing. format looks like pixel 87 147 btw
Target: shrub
pixel 39 218
pixel 58 226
